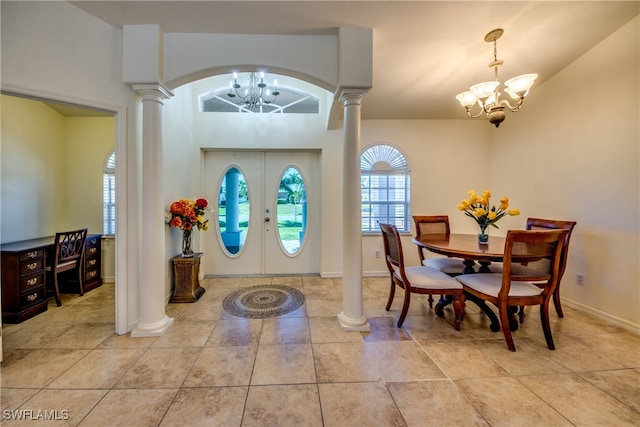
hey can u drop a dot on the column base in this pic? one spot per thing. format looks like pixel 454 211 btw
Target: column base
pixel 153 329
pixel 349 324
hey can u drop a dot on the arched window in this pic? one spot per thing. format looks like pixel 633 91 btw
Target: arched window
pixel 109 195
pixel 384 186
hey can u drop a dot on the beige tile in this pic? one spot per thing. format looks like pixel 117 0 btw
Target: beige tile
pixel 431 327
pixel 63 407
pixel 284 364
pixel 358 404
pixel 283 405
pixel 285 330
pixel 506 402
pixel 222 366
pixel 12 398
pixel 126 341
pixel 40 367
pixel 463 358
pixel 578 356
pixel 624 348
pixel 327 329
pixel 322 290
pixel 254 281
pixel 385 329
pixel 344 362
pixel 581 402
pixel 185 333
pixel 100 369
pixel 530 358
pixel 236 331
pixel 83 335
pixel 160 368
pixel 203 310
pixel 624 385
pixel 217 406
pixel 293 281
pixel 36 336
pixel 323 307
pixel 127 408
pixel 446 406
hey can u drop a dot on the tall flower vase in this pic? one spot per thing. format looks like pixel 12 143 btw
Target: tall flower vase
pixel 483 237
pixel 187 251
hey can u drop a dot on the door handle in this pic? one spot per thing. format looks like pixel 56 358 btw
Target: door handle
pixel 267 219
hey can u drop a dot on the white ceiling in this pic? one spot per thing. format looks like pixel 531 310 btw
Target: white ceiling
pixel 425 52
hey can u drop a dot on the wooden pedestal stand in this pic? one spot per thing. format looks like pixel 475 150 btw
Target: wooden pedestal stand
pixel 187 285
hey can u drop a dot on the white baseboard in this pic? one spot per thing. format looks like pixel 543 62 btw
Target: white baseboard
pixel 606 317
pixel 338 274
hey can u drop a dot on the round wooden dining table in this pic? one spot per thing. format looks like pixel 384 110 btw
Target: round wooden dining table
pixel 467 248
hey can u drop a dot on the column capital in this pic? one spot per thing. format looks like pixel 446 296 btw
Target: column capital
pixel 352 96
pixel 153 91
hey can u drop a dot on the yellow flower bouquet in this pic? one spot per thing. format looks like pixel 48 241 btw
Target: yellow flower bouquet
pixel 478 208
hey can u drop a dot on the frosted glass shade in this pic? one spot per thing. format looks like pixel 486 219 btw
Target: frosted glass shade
pixel 466 99
pixel 520 85
pixel 484 90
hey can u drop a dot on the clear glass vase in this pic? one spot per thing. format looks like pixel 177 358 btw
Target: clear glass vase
pixel 483 236
pixel 187 251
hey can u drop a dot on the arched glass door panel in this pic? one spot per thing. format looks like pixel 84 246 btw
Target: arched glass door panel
pixel 291 212
pixel 233 211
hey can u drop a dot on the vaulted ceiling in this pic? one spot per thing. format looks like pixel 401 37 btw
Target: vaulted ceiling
pixel 425 52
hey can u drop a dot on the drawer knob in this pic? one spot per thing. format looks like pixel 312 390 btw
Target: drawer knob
pixel 32 281
pixel 32 254
pixel 32 297
pixel 93 250
pixel 32 266
pixel 93 262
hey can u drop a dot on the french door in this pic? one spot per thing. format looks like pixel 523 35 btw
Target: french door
pixel 266 217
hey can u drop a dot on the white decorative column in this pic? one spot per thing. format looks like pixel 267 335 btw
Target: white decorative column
pixel 352 316
pixel 152 319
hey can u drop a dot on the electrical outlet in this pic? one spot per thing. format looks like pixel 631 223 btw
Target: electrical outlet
pixel 377 254
pixel 580 279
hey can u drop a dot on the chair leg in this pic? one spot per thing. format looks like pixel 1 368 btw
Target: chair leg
pixel 458 309
pixel 521 314
pixel 80 282
pixel 392 293
pixel 405 306
pixel 556 302
pixel 503 311
pixel 546 326
pixel 56 289
pixel 430 299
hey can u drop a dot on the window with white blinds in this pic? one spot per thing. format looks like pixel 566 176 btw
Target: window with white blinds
pixel 384 186
pixel 109 195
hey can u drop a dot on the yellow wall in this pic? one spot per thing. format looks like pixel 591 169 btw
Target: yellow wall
pixel 51 169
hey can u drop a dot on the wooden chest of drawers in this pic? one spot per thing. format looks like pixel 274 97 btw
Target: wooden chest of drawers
pixel 23 279
pixel 92 262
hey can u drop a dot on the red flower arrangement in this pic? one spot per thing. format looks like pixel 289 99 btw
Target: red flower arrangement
pixel 186 214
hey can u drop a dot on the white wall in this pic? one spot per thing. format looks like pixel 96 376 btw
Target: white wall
pixel 573 153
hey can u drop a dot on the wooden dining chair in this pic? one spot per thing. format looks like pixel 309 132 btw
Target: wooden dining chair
pixel 540 251
pixel 68 256
pixel 436 225
pixel 552 224
pixel 417 279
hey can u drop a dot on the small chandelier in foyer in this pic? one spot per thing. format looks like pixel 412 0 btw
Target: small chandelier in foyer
pixel 486 94
pixel 256 94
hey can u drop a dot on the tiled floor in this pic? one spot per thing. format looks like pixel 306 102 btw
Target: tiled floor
pixel 213 369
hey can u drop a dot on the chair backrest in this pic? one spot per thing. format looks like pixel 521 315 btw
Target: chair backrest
pixel 437 225
pixel 392 247
pixel 432 224
pixel 552 224
pixel 69 248
pixel 539 251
